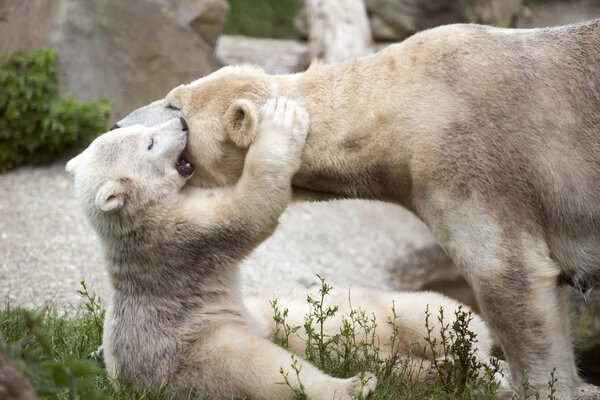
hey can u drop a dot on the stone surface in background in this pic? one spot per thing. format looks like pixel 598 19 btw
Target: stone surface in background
pixel 561 13
pixel 394 20
pixel 338 30
pixel 131 52
pixel 206 17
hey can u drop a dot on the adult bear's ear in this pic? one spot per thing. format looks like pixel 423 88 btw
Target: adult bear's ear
pixel 241 120
pixel 110 196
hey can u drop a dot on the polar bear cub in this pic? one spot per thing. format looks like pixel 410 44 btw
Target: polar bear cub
pixel 172 251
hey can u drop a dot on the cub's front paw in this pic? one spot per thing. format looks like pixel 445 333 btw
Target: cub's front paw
pixel 283 128
pixel 364 385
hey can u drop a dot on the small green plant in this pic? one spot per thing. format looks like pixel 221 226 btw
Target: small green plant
pixel 318 344
pixel 95 310
pixel 55 373
pixel 299 393
pixel 457 368
pixel 551 385
pixel 282 331
pixel 36 124
pixel 391 363
pixel 40 349
pixel 526 393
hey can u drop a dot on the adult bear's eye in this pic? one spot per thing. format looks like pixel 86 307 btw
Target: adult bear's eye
pixel 151 143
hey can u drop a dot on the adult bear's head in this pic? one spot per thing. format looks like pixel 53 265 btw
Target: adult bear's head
pixel 221 110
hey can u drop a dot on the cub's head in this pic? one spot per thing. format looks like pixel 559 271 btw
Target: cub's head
pixel 125 171
pixel 221 110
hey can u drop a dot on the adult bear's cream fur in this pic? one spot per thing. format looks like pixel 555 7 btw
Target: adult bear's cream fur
pixel 491 136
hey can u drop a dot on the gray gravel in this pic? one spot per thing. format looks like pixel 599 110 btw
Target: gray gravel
pixel 47 247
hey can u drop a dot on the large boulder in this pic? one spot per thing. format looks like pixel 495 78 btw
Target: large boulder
pixel 206 17
pixel 394 20
pixel 131 52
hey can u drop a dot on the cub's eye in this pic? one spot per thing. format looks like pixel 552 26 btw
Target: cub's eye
pixel 151 143
pixel 173 107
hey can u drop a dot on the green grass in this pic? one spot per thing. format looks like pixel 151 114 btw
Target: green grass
pixel 53 349
pixel 262 18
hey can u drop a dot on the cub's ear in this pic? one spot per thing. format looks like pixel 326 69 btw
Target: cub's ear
pixel 110 196
pixel 241 120
pixel 72 165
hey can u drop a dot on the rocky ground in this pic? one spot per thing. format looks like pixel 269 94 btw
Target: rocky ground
pixel 47 246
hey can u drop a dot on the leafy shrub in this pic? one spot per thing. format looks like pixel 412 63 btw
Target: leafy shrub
pixel 457 368
pixel 52 349
pixel 262 18
pixel 36 124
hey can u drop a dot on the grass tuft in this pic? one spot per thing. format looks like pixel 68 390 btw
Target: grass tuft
pixel 54 350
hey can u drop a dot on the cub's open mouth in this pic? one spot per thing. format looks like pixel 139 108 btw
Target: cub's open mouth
pixel 184 167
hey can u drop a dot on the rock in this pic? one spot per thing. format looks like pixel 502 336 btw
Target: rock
pixel 394 20
pixel 338 30
pixel 275 56
pixel 559 13
pixel 131 52
pixel 206 17
pixel 14 384
pixel 490 12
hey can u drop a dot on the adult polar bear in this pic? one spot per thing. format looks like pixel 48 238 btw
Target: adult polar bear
pixel 491 136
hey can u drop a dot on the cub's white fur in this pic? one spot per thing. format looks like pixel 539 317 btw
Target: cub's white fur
pixel 172 253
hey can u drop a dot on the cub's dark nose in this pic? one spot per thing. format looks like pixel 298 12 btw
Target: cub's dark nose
pixel 115 126
pixel 183 124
